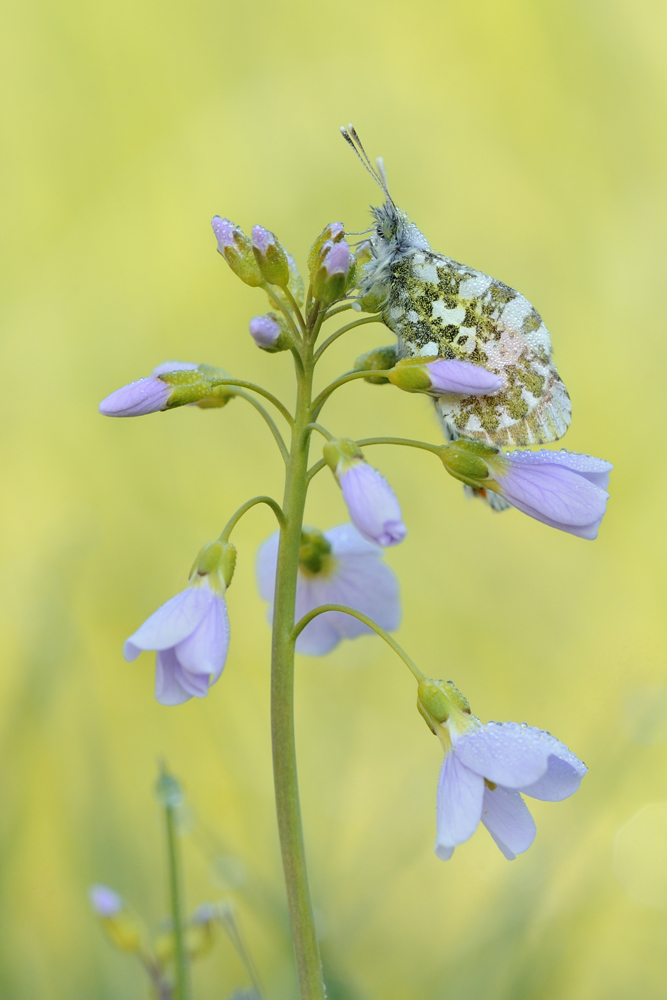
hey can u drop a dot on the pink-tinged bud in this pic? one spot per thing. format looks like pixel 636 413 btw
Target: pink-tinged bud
pixel 371 502
pixel 236 248
pixel 333 233
pixel 444 376
pixel 271 257
pixel 146 395
pixel 104 901
pixel 331 279
pixel 268 334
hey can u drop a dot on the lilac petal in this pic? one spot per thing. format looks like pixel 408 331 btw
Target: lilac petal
pixel 265 566
pixel 507 818
pixel 462 377
pixel 169 686
pixel 104 901
pixel 175 366
pixel 372 504
pixel 146 395
pixel 596 470
pixel 366 584
pixel 337 261
pixel 561 778
pixel 321 635
pixel 171 623
pixel 262 239
pixel 506 753
pixel 264 330
pixel 224 232
pixel 347 540
pixel 204 651
pixel 555 495
pixel 459 804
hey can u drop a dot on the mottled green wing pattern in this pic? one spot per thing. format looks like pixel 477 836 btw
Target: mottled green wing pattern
pixel 439 308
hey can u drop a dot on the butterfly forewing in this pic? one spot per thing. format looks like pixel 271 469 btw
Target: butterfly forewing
pixel 440 308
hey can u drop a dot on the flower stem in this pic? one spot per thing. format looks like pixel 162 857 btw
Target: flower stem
pixel 324 395
pixel 306 951
pixel 236 517
pixel 344 329
pixel 300 626
pixel 182 984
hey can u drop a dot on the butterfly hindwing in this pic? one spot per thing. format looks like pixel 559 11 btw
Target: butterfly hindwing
pixel 440 308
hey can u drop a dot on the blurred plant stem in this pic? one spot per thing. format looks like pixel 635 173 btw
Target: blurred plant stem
pixel 170 796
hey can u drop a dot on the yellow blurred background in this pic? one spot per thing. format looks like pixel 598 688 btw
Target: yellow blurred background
pixel 526 139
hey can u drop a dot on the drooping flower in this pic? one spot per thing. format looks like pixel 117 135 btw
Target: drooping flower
pixel 190 633
pixel 370 500
pixel 336 567
pixel 486 770
pixel 560 488
pixel 444 375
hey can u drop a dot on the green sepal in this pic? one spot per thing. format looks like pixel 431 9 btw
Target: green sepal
pixel 187 387
pixel 220 395
pixel 410 375
pixel 467 461
pixel 341 450
pixel 216 560
pixel 274 266
pixel 242 261
pixel 379 359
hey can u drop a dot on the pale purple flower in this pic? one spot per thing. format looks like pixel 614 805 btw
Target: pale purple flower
pixel 560 488
pixel 371 503
pixel 265 330
pixel 224 232
pixel 146 395
pixel 338 259
pixel 175 366
pixel 191 636
pixel 354 574
pixel 104 901
pixel 449 376
pixel 262 239
pixel 483 776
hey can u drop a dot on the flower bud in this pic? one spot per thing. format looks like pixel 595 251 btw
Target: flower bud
pixel 268 334
pixel 236 248
pixel 271 257
pixel 444 376
pixel 219 395
pixel 157 392
pixel 379 359
pixel 333 233
pixel 467 461
pixel 121 926
pixel 371 502
pixel 332 276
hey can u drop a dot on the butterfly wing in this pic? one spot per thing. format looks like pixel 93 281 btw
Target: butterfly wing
pixel 440 308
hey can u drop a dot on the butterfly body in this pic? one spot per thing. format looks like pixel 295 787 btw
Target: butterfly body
pixel 440 308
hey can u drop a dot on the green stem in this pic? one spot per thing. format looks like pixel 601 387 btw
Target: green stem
pixel 306 951
pixel 344 329
pixel 182 991
pixel 277 301
pixel 271 424
pixel 262 392
pixel 300 626
pixel 435 449
pixel 296 310
pixel 321 430
pixel 236 517
pixel 319 402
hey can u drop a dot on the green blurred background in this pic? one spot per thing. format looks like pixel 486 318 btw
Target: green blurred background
pixel 526 139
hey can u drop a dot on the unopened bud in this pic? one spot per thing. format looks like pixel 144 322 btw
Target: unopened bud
pixel 331 279
pixel 121 926
pixel 271 257
pixel 268 334
pixel 186 387
pixel 236 248
pixel 379 359
pixel 220 394
pixel 333 233
pixel 445 376
pixel 467 461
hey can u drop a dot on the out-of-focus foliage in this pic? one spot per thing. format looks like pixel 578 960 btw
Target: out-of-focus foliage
pixel 525 139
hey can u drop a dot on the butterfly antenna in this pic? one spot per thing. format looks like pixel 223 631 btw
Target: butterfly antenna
pixel 379 175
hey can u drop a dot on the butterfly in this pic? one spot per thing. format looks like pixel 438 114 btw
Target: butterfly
pixel 439 308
